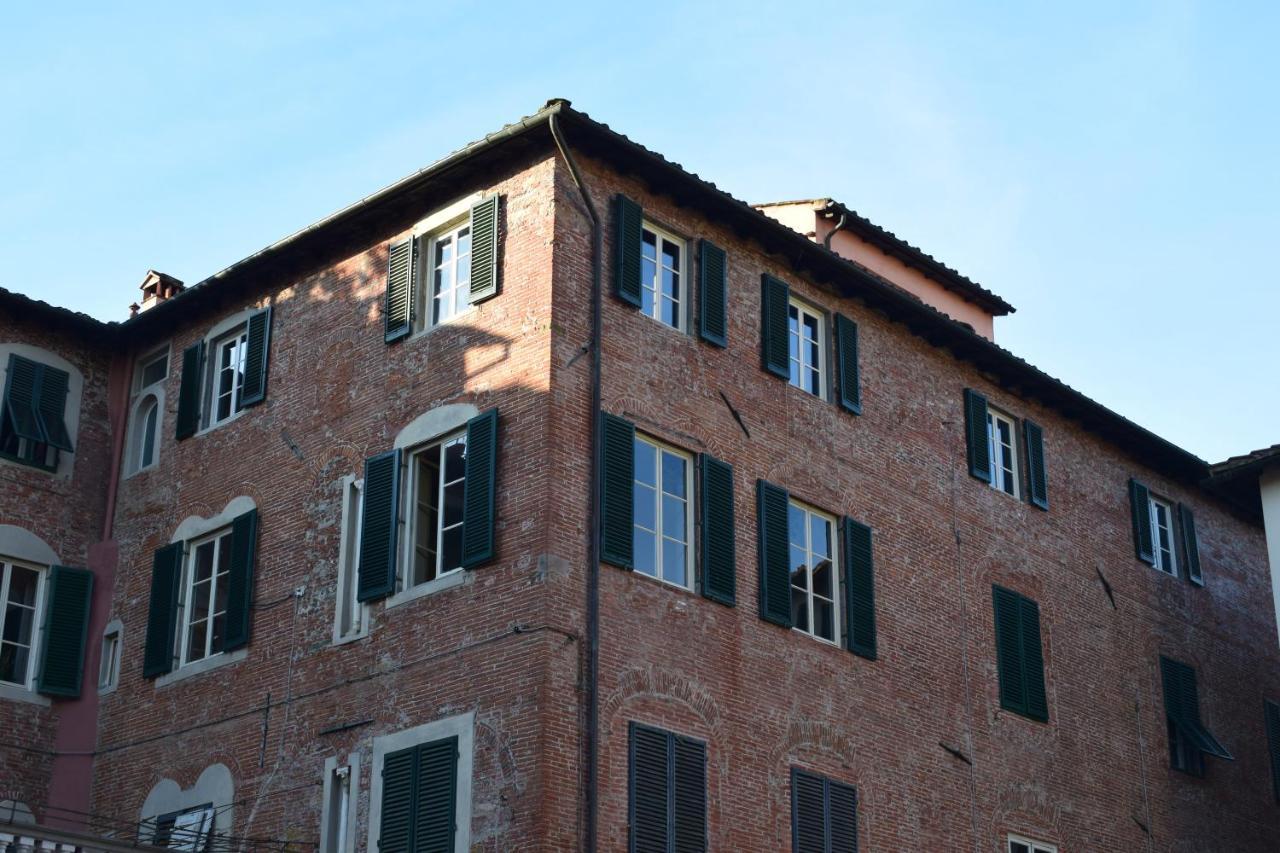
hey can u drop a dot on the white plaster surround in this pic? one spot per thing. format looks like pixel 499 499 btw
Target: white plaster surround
pixel 75 390
pixel 347 843
pixel 21 544
pixel 133 442
pixel 213 661
pixel 431 425
pixel 447 215
pixel 193 526
pixel 118 627
pixel 215 786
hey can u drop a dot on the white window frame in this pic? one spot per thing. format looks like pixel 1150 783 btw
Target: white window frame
pixel 237 336
pixel 338 815
pixel 997 453
pixel 804 309
pixel 145 361
pixel 184 605
pixel 1154 505
pixel 412 489
pixel 351 616
pixel 462 727
pixel 145 395
pixel 1032 846
pixel 37 619
pixel 426 274
pixel 110 656
pixel 660 574
pixel 662 236
pixel 811 512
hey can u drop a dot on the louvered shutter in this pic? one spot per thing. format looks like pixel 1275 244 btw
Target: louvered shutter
pixel 397 312
pixel 808 813
pixel 842 802
pixel 772 513
pixel 66 626
pixel 719 567
pixel 1140 507
pixel 256 351
pixel 1008 620
pixel 20 392
pixel 847 376
pixel 1032 660
pixel 395 832
pixel 628 222
pixel 244 549
pixel 188 420
pixel 713 293
pixel 1037 479
pixel 1182 704
pixel 775 299
pixel 650 814
pixel 617 493
pixel 435 797
pixel 51 407
pixel 975 432
pixel 1190 544
pixel 859 584
pixel 689 795
pixel 1271 712
pixel 484 250
pixel 480 489
pixel 166 574
pixel 379 526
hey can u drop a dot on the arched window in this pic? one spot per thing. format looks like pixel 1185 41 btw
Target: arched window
pixel 146 429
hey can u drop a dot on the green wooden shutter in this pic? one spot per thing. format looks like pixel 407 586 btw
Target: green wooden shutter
pixel 713 293
pixel 1271 711
pixel 188 420
pixel 1190 544
pixel 20 394
pixel 628 222
pixel 379 526
pixel 842 808
pixel 436 797
pixel 1182 704
pixel 649 790
pixel 1140 506
pixel 480 489
pixel 809 829
pixel 1032 660
pixel 689 795
pixel 397 312
pixel 859 585
pixel 51 407
pixel 166 575
pixel 772 510
pixel 484 250
pixel 66 627
pixel 775 305
pixel 244 548
pixel 617 490
pixel 395 831
pixel 1037 480
pixel 719 567
pixel 1009 665
pixel 975 434
pixel 257 348
pixel 847 377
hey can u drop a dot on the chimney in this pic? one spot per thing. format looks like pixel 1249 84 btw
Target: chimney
pixel 156 288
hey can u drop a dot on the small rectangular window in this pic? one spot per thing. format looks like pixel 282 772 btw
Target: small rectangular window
pixel 448 273
pixel 1166 559
pixel 337 810
pixel 663 513
pixel 437 477
pixel 815 593
pixel 662 276
pixel 204 602
pixel 226 377
pixel 151 370
pixel 352 614
pixel 1018 844
pixel 807 348
pixel 1002 436
pixel 22 591
pixel 109 665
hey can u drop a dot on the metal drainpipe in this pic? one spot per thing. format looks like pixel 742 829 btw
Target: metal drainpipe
pixel 826 241
pixel 590 699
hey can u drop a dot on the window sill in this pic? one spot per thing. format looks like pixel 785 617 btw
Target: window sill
pixel 202 666
pixel 107 689
pixel 456 319
pixel 662 582
pixel 449 581
pixel 211 427
pixel 6 459
pixel 14 693
pixel 831 644
pixel 354 636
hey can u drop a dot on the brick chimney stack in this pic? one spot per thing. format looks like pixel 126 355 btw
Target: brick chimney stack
pixel 156 288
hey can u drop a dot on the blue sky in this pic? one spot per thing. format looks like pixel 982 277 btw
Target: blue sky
pixel 1111 171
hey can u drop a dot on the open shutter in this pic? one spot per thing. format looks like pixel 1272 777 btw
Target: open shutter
pixel 1013 696
pixel 397 312
pixel 628 229
pixel 379 526
pixel 256 350
pixel 847 376
pixel 188 420
pixel 1037 480
pixel 772 512
pixel 480 489
pixel 436 796
pixel 859 584
pixel 650 790
pixel 484 250
pixel 1140 506
pixel 21 388
pixel 719 566
pixel 1182 704
pixel 51 407
pixel 975 435
pixel 1190 544
pixel 1271 712
pixel 808 813
pixel 244 548
pixel 775 299
pixel 617 496
pixel 66 626
pixel 1032 660
pixel 713 293
pixel 166 574
pixel 689 794
pixel 398 802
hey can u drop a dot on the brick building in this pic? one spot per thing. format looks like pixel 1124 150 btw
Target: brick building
pixel 361 544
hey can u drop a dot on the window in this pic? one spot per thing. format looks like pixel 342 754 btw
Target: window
pixel 437 477
pixel 352 614
pixel 22 593
pixel 807 334
pixel 33 425
pixel 824 814
pixel 814 608
pixel 186 830
pixel 109 664
pixel 204 601
pixel 151 370
pixel 1019 656
pixel 226 377
pixel 662 279
pixel 1002 441
pixel 1189 740
pixel 1017 844
pixel 337 810
pixel 449 273
pixel 148 387
pixel 1162 535
pixel 663 511
pixel 667 785
pixel 419 798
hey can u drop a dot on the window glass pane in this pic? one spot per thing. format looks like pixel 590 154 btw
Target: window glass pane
pixel 13 663
pixel 645 552
pixel 673 561
pixel 671 254
pixel 17 623
pixel 673 474
pixel 820 535
pixel 149 436
pixel 649 246
pixel 23 584
pixel 204 562
pixel 823 619
pixel 1018 847
pixel 155 370
pixel 451 551
pixel 799 608
pixel 645 507
pixel 196 642
pixel 646 462
pixel 796 524
pixel 453 504
pixel 673 517
pixel 822 579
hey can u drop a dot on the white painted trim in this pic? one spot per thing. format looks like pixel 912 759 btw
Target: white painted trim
pixel 661 447
pixel 431 587
pixel 75 390
pixel 447 215
pixel 133 444
pixel 1032 846
pixel 115 625
pixel 994 417
pixel 347 843
pixel 23 545
pixel 14 693
pixel 824 345
pixel 684 314
pixel 837 581
pixel 193 526
pixel 214 661
pixel 435 424
pixel 463 727
pixel 349 558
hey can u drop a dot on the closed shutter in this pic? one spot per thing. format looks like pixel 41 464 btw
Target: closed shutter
pixel 689 795
pixel 775 305
pixel 436 797
pixel 379 526
pixel 1272 713
pixel 166 574
pixel 397 312
pixel 395 831
pixel 480 489
pixel 847 365
pixel 1008 618
pixel 650 791
pixel 51 407
pixel 719 567
pixel 975 434
pixel 1037 480
pixel 20 394
pixel 617 495
pixel 1190 544
pixel 713 294
pixel 808 813
pixel 188 420
pixel 257 348
pixel 1140 507
pixel 772 512
pixel 1033 660
pixel 628 222
pixel 66 626
pixel 842 801
pixel 484 250
pixel 244 549
pixel 859 584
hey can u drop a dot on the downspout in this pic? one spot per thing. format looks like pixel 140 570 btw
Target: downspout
pixel 826 241
pixel 590 734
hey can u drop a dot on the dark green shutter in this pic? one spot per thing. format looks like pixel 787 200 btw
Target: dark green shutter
pixel 188 420
pixel 713 293
pixel 859 584
pixel 66 627
pixel 719 568
pixel 1190 544
pixel 847 377
pixel 395 830
pixel 628 222
pixel 244 549
pixel 166 575
pixel 617 490
pixel 257 348
pixel 436 797
pixel 772 511
pixel 775 305
pixel 20 394
pixel 51 407
pixel 649 790
pixel 688 795
pixel 1037 480
pixel 1182 704
pixel 1008 619
pixel 1140 506
pixel 1033 660
pixel 842 808
pixel 480 489
pixel 1271 711
pixel 484 250
pixel 809 830
pixel 379 526
pixel 397 312
pixel 975 435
